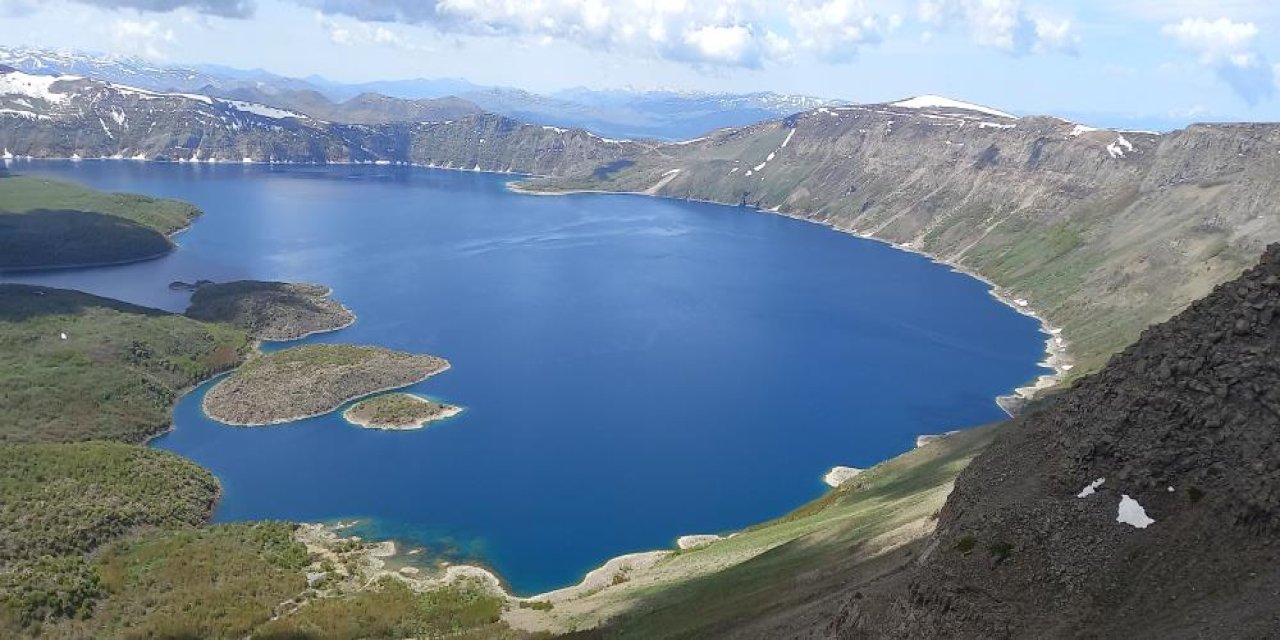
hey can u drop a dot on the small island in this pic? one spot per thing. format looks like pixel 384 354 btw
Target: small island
pixel 398 411
pixel 275 311
pixel 311 380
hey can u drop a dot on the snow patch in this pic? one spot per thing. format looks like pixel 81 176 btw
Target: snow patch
pixel 264 111
pixel 1118 148
pixel 1132 513
pixel 146 94
pixel 690 141
pixel 788 139
pixel 1091 488
pixel 39 87
pixel 1081 129
pixel 939 102
pixel 30 115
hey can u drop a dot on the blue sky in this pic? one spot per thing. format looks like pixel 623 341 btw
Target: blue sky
pixel 1170 59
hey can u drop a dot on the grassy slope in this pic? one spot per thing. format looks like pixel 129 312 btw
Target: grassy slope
pixel 392 610
pixel 115 377
pixel 851 533
pixel 50 223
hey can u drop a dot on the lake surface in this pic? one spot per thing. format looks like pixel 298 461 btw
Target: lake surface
pixel 633 369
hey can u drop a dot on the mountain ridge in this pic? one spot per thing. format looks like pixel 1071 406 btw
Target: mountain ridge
pixel 609 113
pixel 1101 232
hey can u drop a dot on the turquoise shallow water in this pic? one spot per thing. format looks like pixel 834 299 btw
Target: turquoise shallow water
pixel 633 369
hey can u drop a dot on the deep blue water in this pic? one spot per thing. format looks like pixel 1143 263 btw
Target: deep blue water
pixel 633 369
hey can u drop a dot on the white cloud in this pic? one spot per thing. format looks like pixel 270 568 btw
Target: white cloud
pixel 355 33
pixel 745 33
pixel 1002 24
pixel 1229 48
pixel 724 45
pixel 1055 36
pixel 137 37
pixel 1220 40
pixel 837 28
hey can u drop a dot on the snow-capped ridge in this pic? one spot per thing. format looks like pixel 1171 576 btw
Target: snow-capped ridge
pixel 941 102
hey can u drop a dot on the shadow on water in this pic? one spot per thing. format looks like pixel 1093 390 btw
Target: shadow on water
pixel 55 239
pixel 19 302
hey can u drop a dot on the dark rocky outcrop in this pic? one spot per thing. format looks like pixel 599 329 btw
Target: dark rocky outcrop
pixel 1186 422
pixel 268 310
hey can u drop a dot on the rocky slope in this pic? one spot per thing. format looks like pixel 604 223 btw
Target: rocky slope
pixel 78 118
pixel 270 310
pixel 366 108
pixel 1104 232
pixel 1143 502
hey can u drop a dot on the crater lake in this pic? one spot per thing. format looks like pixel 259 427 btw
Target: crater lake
pixel 632 369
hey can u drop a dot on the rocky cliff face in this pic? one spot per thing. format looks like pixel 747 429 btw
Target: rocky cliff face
pixel 70 117
pixel 1145 501
pixel 1104 232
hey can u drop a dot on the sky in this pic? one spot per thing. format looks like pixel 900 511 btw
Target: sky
pixel 1178 60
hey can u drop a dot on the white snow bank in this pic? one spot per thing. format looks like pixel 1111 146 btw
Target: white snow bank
pixel 1132 513
pixel 32 86
pixel 1091 488
pixel 940 102
pixel 264 111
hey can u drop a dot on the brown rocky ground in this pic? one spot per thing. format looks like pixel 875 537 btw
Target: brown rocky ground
pixel 270 310
pixel 312 380
pixel 1186 422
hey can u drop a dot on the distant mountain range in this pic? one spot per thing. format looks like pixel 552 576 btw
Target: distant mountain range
pixel 662 115
pixel 81 118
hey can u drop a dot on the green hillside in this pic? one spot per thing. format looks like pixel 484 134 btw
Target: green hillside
pixel 115 375
pixel 52 224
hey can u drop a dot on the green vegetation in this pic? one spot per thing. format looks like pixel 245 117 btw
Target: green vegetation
pixel 59 502
pixel 269 310
pixel 50 224
pixel 214 582
pixel 115 376
pixel 312 380
pixel 392 610
pixel 851 533
pixel 103 539
pixel 397 410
